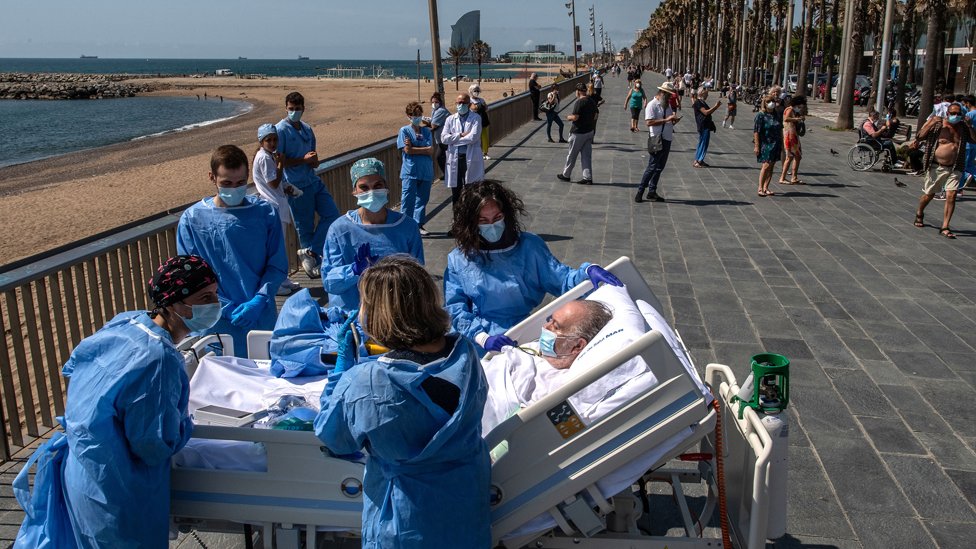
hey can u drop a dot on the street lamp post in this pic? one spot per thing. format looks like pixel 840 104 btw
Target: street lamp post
pixel 435 48
pixel 885 56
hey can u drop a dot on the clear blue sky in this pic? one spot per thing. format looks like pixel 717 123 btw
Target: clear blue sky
pixel 283 29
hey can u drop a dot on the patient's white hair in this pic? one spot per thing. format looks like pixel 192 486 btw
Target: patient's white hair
pixel 596 317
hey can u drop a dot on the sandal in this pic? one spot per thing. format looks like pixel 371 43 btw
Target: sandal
pixel 696 164
pixel 919 220
pixel 785 182
pixel 797 181
pixel 761 192
pixel 770 193
pixel 944 231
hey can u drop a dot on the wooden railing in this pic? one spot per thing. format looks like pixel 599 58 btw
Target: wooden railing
pixel 51 301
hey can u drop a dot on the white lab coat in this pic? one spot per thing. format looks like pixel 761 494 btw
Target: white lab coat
pixel 451 137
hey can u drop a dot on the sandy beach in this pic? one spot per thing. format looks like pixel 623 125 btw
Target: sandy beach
pixel 55 201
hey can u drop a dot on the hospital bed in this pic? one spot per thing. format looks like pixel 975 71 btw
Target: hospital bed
pixel 560 483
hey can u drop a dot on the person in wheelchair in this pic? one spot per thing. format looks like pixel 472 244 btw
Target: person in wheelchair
pixel 878 135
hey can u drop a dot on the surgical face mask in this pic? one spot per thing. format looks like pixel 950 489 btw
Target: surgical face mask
pixel 463 109
pixel 204 317
pixel 475 93
pixel 637 85
pixel 771 105
pixel 492 232
pixel 434 106
pixel 955 118
pixel 295 116
pixel 373 200
pixel 416 120
pixel 232 196
pixel 547 344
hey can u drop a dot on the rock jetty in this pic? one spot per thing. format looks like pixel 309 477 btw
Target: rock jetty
pixel 71 86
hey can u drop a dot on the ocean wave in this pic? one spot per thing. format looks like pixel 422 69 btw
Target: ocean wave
pixel 240 112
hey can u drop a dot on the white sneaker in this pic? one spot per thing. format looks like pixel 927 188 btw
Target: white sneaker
pixel 309 262
pixel 487 157
pixel 424 232
pixel 731 128
pixel 723 123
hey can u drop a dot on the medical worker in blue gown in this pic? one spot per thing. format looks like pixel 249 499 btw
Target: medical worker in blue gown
pixel 499 273
pixel 364 235
pixel 126 415
pixel 416 411
pixel 240 236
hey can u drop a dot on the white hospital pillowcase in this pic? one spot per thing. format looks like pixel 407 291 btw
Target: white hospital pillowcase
pixel 657 322
pixel 632 378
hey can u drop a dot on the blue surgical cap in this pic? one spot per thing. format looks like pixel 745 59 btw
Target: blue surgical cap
pixel 364 167
pixel 264 130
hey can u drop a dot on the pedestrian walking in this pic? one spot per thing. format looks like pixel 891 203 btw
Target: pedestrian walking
pixel 660 119
pixel 793 121
pixel 581 136
pixel 636 101
pixel 535 90
pixel 703 119
pixel 551 108
pixel 945 160
pixel 767 138
pixel 733 98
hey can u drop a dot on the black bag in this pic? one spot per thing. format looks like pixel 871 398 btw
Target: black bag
pixel 655 142
pixel 710 124
pixel 801 128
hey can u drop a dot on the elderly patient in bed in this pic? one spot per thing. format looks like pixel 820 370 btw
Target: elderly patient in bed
pixel 577 336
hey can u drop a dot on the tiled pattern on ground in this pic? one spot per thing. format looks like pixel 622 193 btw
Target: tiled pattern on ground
pixel 876 315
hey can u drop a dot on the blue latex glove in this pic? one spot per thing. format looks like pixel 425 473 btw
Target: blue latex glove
pixel 347 345
pixel 363 259
pixel 248 313
pixel 598 274
pixel 496 342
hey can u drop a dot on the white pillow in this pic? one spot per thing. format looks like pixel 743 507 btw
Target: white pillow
pixel 624 328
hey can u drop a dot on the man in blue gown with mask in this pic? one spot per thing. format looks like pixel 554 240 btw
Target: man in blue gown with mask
pixel 240 237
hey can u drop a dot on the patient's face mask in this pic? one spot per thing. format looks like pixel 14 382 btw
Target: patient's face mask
pixel 547 344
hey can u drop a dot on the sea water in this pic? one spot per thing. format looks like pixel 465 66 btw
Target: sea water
pixel 36 129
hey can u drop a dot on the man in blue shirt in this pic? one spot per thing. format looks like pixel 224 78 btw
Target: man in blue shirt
pixel 296 144
pixel 969 174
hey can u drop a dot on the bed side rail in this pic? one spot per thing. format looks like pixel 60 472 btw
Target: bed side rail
pixel 747 459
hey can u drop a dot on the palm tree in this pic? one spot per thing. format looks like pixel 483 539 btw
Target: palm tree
pixel 907 40
pixel 829 51
pixel 456 53
pixel 480 49
pixel 934 10
pixel 801 78
pixel 845 118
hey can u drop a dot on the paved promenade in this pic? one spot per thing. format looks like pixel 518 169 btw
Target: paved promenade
pixel 876 316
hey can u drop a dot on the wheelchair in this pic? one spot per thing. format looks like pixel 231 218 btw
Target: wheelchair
pixel 867 152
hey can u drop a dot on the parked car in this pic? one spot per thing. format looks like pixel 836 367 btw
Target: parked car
pixel 792 80
pixel 860 82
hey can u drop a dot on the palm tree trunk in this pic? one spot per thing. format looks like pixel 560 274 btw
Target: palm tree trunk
pixel 845 118
pixel 829 50
pixel 936 24
pixel 801 79
pixel 906 50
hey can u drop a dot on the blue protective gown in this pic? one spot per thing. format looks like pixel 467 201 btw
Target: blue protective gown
pixel 246 248
pixel 427 473
pixel 399 235
pixel 495 294
pixel 126 415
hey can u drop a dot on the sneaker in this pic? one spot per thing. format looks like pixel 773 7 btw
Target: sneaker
pixel 585 182
pixel 723 123
pixel 561 140
pixel 940 196
pixel 551 141
pixel 487 157
pixel 285 289
pixel 654 197
pixel 731 128
pixel 561 177
pixel 310 263
pixel 423 231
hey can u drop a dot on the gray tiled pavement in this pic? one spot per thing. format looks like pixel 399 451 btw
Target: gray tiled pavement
pixel 876 315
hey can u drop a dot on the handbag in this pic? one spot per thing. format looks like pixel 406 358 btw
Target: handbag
pixel 654 143
pixel 801 128
pixel 710 124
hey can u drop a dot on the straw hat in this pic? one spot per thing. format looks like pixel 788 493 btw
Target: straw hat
pixel 668 87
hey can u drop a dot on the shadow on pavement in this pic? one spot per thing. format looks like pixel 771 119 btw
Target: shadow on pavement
pixel 797 194
pixel 707 202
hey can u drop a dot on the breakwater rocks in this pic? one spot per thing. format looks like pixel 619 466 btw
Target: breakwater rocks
pixel 71 86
